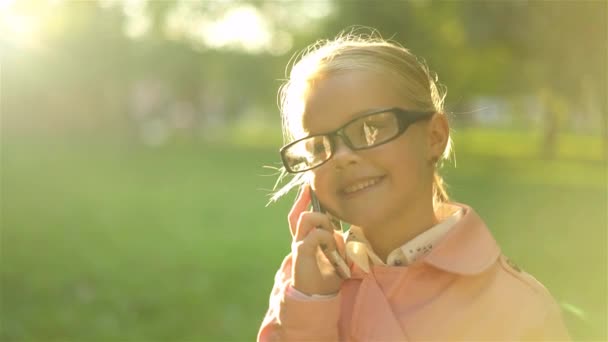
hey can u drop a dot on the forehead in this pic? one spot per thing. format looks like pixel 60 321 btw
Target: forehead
pixel 334 100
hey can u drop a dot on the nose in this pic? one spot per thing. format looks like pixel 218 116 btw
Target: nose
pixel 343 156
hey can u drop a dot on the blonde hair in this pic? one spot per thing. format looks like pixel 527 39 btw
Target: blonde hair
pixel 350 52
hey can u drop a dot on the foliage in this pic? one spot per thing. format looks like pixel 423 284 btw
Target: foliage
pixel 176 243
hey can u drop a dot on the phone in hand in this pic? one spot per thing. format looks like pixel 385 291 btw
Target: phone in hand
pixel 338 262
pixel 316 207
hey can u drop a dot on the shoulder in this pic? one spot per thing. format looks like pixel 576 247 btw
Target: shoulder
pixel 535 303
pixel 526 281
pixel 518 290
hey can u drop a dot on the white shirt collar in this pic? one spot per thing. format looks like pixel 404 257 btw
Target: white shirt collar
pixel 358 248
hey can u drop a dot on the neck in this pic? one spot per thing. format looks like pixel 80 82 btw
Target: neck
pixel 397 230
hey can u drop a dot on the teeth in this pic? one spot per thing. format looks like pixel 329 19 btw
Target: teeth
pixel 361 185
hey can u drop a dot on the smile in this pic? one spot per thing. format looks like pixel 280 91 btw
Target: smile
pixel 361 185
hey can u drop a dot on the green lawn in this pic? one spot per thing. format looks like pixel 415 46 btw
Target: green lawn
pixel 172 244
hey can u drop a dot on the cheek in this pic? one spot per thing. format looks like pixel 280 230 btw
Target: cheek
pixel 407 163
pixel 319 181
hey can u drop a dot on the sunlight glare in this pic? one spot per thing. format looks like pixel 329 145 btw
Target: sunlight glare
pixel 242 26
pixel 20 29
pixel 6 4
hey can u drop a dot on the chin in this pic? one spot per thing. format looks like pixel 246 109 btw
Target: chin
pixel 368 216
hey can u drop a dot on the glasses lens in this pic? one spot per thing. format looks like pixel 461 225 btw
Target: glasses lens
pixel 372 130
pixel 307 153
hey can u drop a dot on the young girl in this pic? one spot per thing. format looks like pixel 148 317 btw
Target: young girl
pixel 366 129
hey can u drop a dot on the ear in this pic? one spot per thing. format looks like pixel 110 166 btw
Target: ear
pixel 438 135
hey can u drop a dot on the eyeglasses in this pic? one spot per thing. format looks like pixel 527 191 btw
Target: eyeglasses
pixel 367 131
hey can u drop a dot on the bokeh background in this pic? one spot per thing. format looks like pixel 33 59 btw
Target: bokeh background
pixel 139 138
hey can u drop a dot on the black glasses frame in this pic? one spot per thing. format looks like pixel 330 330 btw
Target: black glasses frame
pixel 405 119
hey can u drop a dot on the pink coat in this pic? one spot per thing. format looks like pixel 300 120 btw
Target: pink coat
pixel 463 290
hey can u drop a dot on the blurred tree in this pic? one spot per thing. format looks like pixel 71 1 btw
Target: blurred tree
pixel 506 48
pixel 94 52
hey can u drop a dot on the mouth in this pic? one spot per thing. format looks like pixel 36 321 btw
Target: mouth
pixel 361 186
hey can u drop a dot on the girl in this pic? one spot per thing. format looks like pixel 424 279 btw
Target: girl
pixel 366 129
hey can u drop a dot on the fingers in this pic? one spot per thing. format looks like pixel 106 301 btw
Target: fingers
pixel 314 230
pixel 325 240
pixel 316 238
pixel 310 220
pixel 300 205
pixel 340 245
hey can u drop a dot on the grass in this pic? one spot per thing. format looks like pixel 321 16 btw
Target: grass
pixel 105 242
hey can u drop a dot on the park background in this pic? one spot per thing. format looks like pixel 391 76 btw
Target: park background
pixel 138 140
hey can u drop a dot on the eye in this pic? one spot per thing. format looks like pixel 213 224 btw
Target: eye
pixel 318 147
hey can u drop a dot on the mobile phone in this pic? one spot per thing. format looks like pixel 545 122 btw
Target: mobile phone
pixel 316 207
pixel 338 262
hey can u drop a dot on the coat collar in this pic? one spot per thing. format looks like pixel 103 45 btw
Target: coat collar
pixel 467 249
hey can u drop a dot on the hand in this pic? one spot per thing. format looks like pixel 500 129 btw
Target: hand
pixel 314 240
